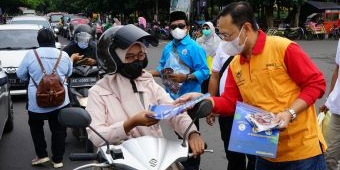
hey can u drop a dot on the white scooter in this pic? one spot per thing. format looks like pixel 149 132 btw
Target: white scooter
pixel 142 153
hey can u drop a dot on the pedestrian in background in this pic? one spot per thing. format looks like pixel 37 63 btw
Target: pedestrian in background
pixel 143 25
pixel 182 66
pixel 274 74
pixel 332 154
pixel 209 41
pixel 30 69
pixel 116 22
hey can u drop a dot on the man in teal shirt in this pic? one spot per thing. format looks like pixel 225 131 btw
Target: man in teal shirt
pixel 183 66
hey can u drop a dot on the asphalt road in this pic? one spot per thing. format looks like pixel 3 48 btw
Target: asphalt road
pixel 16 148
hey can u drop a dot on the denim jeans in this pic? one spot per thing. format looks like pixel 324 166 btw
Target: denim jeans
pixel 313 163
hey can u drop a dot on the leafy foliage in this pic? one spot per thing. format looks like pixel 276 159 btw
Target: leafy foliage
pixel 263 7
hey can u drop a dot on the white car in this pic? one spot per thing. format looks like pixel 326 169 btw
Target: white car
pixel 6 105
pixel 33 19
pixel 16 40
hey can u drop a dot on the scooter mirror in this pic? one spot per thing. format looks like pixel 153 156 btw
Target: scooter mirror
pixel 201 109
pixel 74 117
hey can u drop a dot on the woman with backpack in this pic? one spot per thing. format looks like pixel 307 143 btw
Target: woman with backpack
pixel 42 67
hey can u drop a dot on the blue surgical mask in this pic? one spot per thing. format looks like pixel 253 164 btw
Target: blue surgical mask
pixel 83 39
pixel 83 45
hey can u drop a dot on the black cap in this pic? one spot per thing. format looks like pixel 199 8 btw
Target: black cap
pixel 178 15
pixel 46 38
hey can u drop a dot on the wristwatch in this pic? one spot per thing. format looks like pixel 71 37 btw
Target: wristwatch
pixel 189 77
pixel 293 113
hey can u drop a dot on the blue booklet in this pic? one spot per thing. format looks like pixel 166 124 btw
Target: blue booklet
pixel 166 111
pixel 244 137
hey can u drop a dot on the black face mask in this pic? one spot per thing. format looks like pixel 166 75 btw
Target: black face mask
pixel 134 69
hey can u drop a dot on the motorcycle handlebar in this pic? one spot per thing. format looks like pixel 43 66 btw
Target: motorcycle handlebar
pixel 205 150
pixel 83 156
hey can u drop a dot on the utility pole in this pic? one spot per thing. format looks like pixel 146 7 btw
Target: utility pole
pixel 156 12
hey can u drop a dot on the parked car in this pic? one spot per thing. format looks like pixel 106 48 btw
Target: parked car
pixel 39 20
pixel 16 40
pixel 6 105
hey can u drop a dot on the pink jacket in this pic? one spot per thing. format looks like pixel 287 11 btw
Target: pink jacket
pixel 112 101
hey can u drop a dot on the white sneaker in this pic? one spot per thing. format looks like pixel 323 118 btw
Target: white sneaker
pixel 38 161
pixel 57 165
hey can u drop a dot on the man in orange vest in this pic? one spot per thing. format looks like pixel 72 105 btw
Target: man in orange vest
pixel 274 74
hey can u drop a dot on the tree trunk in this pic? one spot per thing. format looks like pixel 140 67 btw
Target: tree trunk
pixel 278 9
pixel 263 17
pixel 296 17
pixel 269 15
pixel 212 10
pixel 156 10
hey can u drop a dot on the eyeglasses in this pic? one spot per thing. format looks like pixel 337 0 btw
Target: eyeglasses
pixel 174 26
pixel 205 28
pixel 131 57
pixel 225 36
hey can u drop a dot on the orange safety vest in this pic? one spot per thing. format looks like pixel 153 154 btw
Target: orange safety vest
pixel 264 82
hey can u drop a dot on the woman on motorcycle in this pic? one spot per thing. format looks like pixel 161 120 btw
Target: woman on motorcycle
pixel 119 102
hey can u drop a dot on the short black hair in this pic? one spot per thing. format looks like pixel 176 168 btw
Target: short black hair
pixel 46 37
pixel 240 13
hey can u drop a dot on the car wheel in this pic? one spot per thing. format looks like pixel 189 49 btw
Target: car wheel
pixel 10 121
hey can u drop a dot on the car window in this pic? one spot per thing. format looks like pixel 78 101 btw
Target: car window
pixel 18 39
pixel 45 24
pixel 55 18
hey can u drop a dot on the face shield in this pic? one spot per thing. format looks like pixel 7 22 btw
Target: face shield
pixel 83 39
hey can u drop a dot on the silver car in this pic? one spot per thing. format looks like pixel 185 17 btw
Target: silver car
pixel 16 40
pixel 6 106
pixel 33 19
